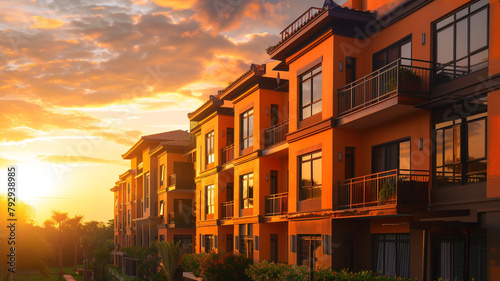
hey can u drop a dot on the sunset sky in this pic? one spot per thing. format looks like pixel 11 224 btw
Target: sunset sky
pixel 82 80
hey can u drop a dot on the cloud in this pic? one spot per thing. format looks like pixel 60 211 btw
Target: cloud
pixel 45 23
pixel 6 162
pixel 68 159
pixel 176 4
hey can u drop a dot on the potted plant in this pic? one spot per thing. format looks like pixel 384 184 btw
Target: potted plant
pixel 387 191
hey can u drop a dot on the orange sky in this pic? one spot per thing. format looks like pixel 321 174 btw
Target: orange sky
pixel 82 80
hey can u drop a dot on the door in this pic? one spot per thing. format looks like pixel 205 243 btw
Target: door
pixel 350 70
pixel 274 247
pixel 349 163
pixel 229 243
pixel 273 181
pixel 274 115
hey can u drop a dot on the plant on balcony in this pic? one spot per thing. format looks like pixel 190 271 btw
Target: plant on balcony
pixel 387 191
pixel 408 80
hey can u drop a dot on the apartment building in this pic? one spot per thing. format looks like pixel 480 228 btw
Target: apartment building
pixel 154 199
pixel 379 151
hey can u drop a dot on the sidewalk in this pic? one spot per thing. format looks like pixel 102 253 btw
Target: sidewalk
pixel 69 277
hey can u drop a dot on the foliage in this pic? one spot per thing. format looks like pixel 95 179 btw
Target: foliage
pixel 171 255
pixel 192 263
pixel 224 267
pixel 272 271
pixel 387 191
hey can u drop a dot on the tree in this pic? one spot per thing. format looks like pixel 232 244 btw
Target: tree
pixel 59 218
pixel 75 225
pixel 171 255
pixel 32 247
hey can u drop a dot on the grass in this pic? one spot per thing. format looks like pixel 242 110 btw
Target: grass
pixel 54 275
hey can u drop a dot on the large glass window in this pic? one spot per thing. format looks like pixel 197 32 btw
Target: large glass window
pixel 311 171
pixel 246 246
pixel 401 49
pixel 162 175
pixel 246 184
pixel 186 242
pixel 392 254
pixel 210 199
pixel 209 243
pixel 461 42
pixel 310 93
pixel 210 152
pixel 390 156
pixel 309 249
pixel 246 129
pixel 460 156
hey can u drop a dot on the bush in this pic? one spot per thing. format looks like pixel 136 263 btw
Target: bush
pixel 192 263
pixel 224 267
pixel 271 271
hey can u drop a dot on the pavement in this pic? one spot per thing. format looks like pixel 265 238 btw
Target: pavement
pixel 69 277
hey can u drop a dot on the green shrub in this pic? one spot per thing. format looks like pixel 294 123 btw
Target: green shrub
pixel 224 267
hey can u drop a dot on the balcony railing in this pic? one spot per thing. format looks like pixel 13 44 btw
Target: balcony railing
pixel 401 76
pixel 180 219
pixel 227 154
pixel 228 210
pixel 298 23
pixel 401 187
pixel 276 134
pixel 277 204
pixel 172 180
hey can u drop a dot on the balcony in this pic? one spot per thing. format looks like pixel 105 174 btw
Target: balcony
pixel 181 219
pixel 394 187
pixel 276 134
pixel 227 210
pixel 300 22
pixel 227 154
pixel 390 91
pixel 172 180
pixel 277 204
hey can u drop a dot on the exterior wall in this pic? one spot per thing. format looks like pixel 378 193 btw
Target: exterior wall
pixel 493 143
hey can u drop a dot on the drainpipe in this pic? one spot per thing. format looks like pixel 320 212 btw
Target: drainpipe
pixel 424 254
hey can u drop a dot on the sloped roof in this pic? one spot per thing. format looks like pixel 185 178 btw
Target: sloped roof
pixel 171 138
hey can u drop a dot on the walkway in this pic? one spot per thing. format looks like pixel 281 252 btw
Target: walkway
pixel 69 277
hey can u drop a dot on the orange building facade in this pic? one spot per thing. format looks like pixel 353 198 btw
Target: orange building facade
pixel 376 146
pixel 154 199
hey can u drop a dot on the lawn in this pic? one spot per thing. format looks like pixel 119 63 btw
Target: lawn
pixel 55 277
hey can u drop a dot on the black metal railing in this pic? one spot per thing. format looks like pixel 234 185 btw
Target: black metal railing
pixel 227 154
pixel 409 76
pixel 403 187
pixel 276 134
pixel 299 22
pixel 228 210
pixel 277 204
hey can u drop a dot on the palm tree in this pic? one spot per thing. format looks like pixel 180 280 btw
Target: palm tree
pixel 171 255
pixel 59 218
pixel 32 248
pixel 48 224
pixel 75 225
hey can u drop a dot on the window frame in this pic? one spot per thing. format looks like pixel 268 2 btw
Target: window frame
pixel 162 174
pixel 246 139
pixel 462 166
pixel 246 198
pixel 455 20
pixel 310 75
pixel 210 147
pixel 407 39
pixel 301 238
pixel 399 238
pixel 210 199
pixel 314 193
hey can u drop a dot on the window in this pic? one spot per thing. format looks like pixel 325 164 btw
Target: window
pixel 401 49
pixel 460 156
pixel 128 193
pixel 392 254
pixel 306 242
pixel 230 136
pixel 461 42
pixel 186 242
pixel 128 218
pixel 209 243
pixel 390 156
pixel 162 238
pixel 310 176
pixel 210 147
pixel 310 93
pixel 350 70
pixel 162 211
pixel 246 246
pixel 210 199
pixel 246 129
pixel 146 191
pixel 162 175
pixel 246 184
